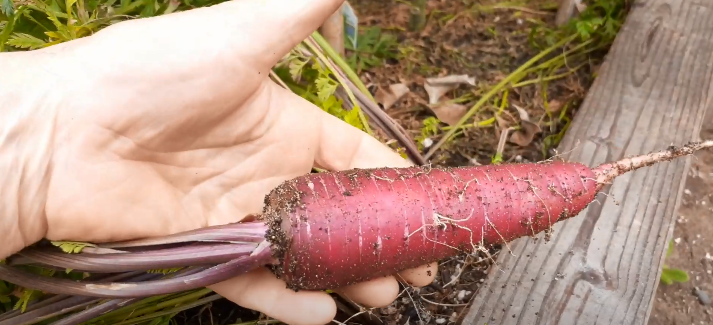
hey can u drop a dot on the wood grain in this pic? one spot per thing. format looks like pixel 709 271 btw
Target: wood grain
pixel 603 266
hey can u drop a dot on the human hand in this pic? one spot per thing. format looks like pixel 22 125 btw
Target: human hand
pixel 171 123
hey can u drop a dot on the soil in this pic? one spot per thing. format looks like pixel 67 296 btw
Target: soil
pixel 685 303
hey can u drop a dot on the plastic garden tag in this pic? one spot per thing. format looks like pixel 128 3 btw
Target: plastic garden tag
pixel 351 23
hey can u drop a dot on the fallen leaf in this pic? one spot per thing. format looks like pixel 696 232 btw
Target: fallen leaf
pixel 554 106
pixel 437 87
pixel 449 113
pixel 524 115
pixel 388 97
pixel 502 124
pixel 524 136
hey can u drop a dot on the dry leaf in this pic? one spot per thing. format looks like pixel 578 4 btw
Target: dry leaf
pixel 449 113
pixel 502 124
pixel 388 97
pixel 554 106
pixel 437 87
pixel 524 136
pixel 524 116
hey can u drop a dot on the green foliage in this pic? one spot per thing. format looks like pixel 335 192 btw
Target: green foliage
pixel 7 7
pixel 601 22
pixel 71 247
pixel 313 81
pixel 33 24
pixel 497 158
pixel 670 275
pixel 373 48
pixel 25 298
pixel 429 129
pixel 165 271
pixel 5 296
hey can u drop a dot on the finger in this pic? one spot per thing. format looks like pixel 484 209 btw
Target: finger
pixel 342 146
pixel 260 290
pixel 419 276
pixel 376 293
pixel 273 27
pixel 260 31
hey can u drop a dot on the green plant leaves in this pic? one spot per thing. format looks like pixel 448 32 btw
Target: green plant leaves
pixel 669 276
pixel 7 7
pixel 26 41
pixel 373 47
pixel 70 247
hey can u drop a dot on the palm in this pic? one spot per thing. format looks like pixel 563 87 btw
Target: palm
pixel 170 145
pixel 115 184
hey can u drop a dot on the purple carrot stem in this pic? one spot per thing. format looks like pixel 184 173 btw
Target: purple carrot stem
pixel 110 305
pixel 58 308
pixel 134 276
pixel 33 306
pixel 95 311
pixel 241 232
pixel 200 279
pixel 62 305
pixel 190 255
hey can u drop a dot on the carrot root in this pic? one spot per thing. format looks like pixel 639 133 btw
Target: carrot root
pixel 607 172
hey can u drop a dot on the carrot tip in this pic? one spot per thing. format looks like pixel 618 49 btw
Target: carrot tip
pixel 607 172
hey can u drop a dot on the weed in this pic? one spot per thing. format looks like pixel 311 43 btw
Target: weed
pixel 670 275
pixel 562 50
pixel 373 48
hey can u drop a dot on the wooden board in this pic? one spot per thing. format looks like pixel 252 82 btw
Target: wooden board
pixel 603 266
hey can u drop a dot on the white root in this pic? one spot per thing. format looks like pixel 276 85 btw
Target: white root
pixel 607 172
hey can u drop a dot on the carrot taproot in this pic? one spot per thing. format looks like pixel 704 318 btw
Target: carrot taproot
pixel 328 230
pixel 340 228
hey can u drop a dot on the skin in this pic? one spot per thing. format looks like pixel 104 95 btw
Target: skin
pixel 156 126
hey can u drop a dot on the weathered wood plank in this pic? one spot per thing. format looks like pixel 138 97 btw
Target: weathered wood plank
pixel 603 266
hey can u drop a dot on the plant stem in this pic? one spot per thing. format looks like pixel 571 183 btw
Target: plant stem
pixel 494 91
pixel 188 255
pixel 311 44
pixel 248 232
pixel 351 75
pixel 138 311
pixel 549 78
pixel 95 311
pixel 200 279
pixel 46 312
pixel 171 311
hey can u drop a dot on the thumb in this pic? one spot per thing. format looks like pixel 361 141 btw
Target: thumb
pixel 266 29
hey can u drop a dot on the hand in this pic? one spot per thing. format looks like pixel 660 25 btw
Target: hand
pixel 171 123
